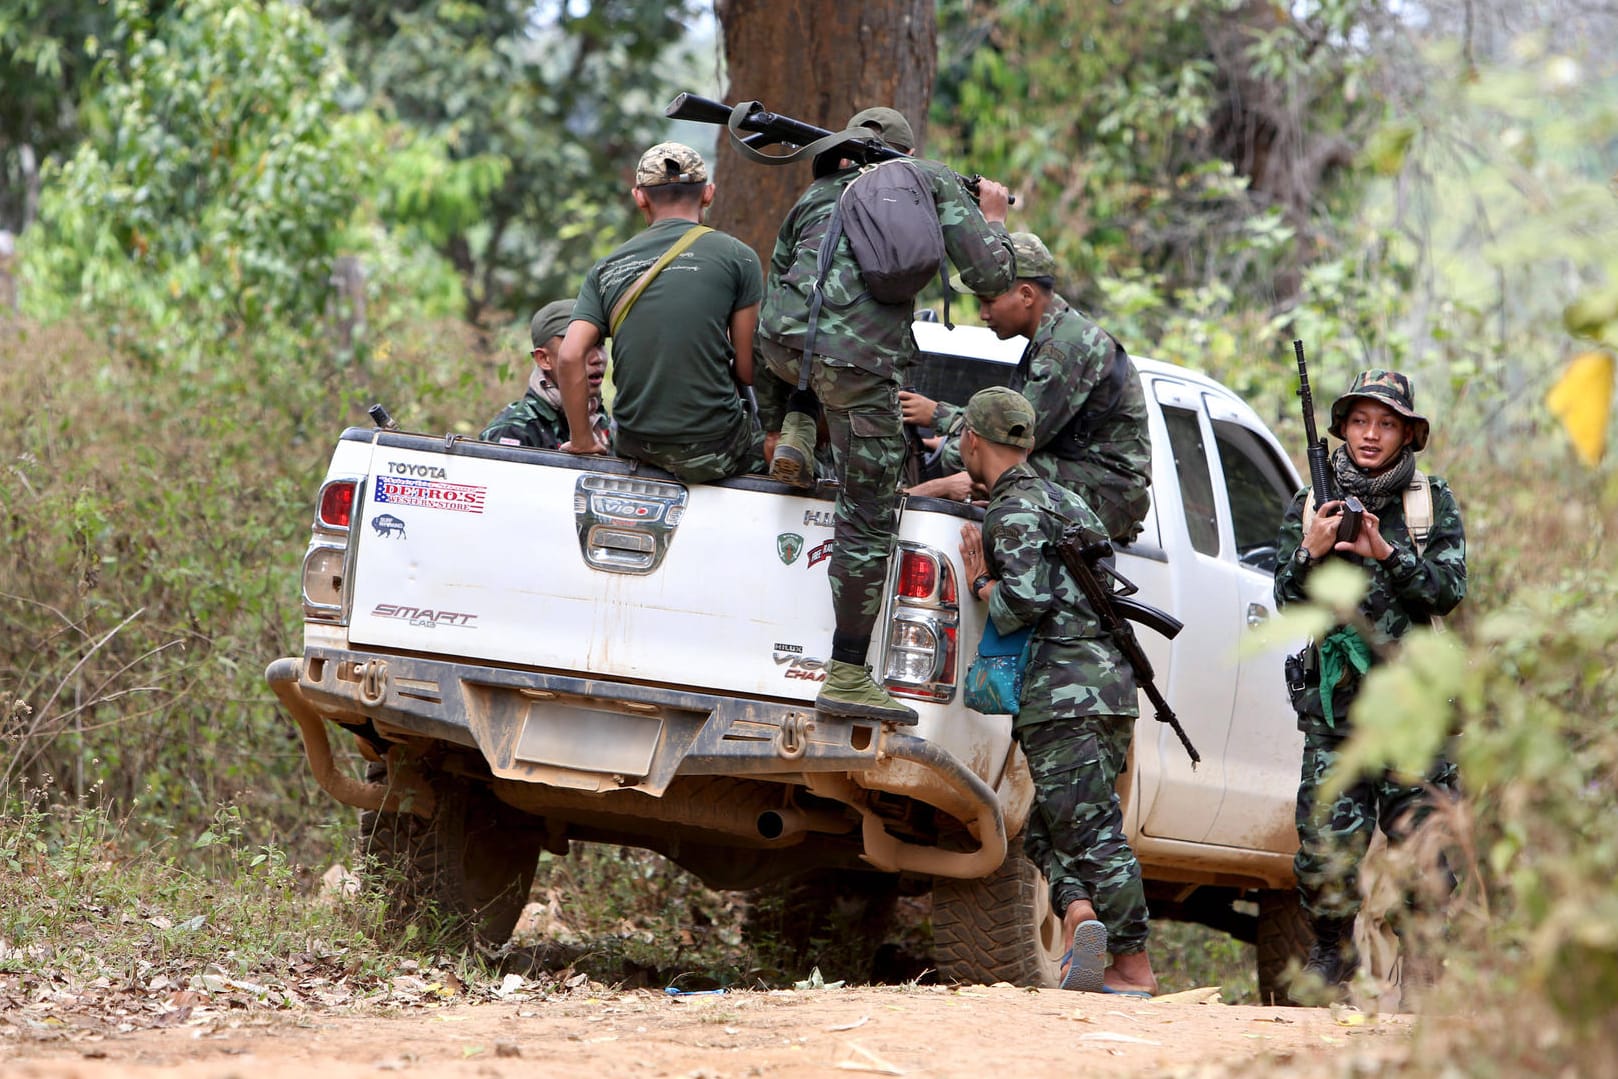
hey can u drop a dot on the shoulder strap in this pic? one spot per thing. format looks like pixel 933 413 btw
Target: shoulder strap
pixel 1418 502
pixel 620 310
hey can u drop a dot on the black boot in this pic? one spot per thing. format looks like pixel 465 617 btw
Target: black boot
pixel 1332 962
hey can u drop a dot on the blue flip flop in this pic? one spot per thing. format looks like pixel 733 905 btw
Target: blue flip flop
pixel 1141 993
pixel 1087 958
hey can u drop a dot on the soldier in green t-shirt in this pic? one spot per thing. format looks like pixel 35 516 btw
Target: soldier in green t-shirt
pixel 681 330
pixel 536 419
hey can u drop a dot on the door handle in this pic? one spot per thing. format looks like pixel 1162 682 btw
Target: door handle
pixel 1257 615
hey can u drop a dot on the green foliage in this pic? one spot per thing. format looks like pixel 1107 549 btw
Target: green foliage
pixel 556 100
pixel 1165 151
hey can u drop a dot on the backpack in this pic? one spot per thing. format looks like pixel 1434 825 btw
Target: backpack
pixel 888 215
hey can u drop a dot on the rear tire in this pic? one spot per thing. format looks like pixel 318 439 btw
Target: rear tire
pixel 1284 936
pixel 999 928
pixel 464 874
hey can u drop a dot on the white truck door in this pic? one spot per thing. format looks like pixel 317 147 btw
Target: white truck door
pixel 1261 755
pixel 1204 596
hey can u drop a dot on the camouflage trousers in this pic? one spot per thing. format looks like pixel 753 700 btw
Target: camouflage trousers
pixel 735 454
pixel 868 449
pixel 1333 838
pixel 1075 832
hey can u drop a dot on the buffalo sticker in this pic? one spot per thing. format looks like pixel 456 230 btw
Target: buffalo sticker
pixel 819 553
pixel 789 545
pixel 386 524
pixel 430 494
pixel 425 617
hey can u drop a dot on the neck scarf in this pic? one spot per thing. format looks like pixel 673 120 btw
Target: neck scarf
pixel 551 394
pixel 1378 490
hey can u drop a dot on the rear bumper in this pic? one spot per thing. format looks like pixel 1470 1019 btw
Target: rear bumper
pixel 582 736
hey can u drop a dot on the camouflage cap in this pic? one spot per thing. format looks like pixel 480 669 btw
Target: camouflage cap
pixel 1033 258
pixel 1002 415
pixel 888 123
pixel 550 321
pixel 1388 388
pixel 670 163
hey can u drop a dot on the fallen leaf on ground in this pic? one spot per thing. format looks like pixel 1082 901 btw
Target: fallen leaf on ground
pixel 1207 994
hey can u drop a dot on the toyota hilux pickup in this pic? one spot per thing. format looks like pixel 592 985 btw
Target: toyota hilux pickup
pixel 530 649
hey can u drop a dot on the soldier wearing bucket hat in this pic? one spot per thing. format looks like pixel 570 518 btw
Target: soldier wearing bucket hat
pixel 682 340
pixel 1077 711
pixel 1412 545
pixel 536 418
pixel 1092 435
pixel 851 366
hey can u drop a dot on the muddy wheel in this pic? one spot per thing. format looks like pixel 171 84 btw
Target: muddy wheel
pixel 1283 936
pixel 465 874
pixel 998 929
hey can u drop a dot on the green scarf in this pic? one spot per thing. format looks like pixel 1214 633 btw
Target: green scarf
pixel 1342 648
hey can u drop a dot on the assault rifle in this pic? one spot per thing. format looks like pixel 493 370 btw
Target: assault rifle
pixel 1321 484
pixel 1084 553
pixel 772 129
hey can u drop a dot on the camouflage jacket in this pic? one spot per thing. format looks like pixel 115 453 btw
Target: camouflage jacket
pixel 1074 668
pixel 529 421
pixel 1058 372
pixel 1406 589
pixel 853 327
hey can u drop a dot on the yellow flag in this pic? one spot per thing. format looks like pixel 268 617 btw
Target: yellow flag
pixel 1582 400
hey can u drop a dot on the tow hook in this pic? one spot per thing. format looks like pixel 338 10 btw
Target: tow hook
pixel 793 741
pixel 373 681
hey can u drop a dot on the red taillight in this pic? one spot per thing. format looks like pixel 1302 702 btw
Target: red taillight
pixel 337 504
pixel 918 576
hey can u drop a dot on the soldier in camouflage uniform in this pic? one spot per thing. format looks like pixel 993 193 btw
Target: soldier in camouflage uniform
pixel 1092 435
pixel 860 347
pixel 1410 586
pixel 1078 704
pixel 536 419
pixel 682 337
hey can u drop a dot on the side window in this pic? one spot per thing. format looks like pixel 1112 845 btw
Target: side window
pixel 1259 490
pixel 1196 483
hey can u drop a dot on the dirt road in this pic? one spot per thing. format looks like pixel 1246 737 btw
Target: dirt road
pixel 588 1031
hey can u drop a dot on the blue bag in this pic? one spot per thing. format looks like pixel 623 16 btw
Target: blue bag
pixel 994 680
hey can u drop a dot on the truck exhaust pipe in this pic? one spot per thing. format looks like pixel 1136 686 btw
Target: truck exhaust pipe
pixel 790 822
pixel 391 797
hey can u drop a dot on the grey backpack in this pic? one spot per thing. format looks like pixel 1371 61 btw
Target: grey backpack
pixel 887 213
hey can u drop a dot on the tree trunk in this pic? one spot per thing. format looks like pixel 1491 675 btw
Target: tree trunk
pixel 819 61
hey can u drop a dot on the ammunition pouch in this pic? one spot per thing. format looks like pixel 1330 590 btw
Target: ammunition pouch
pixel 1302 668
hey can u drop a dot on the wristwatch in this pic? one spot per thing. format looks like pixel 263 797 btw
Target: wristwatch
pixel 1303 558
pixel 979 583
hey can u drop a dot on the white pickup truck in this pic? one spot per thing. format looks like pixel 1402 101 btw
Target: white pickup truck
pixel 532 648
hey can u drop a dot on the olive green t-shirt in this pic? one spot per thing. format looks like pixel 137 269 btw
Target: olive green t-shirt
pixel 671 357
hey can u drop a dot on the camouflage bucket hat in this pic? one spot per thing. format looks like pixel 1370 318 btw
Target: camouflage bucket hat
pixel 670 163
pixel 1031 258
pixel 1388 388
pixel 1003 416
pixel 890 124
pixel 550 321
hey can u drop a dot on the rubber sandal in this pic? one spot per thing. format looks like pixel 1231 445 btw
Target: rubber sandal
pixel 1141 993
pixel 1087 958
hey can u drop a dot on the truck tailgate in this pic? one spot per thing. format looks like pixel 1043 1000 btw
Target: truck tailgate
pixel 617 575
